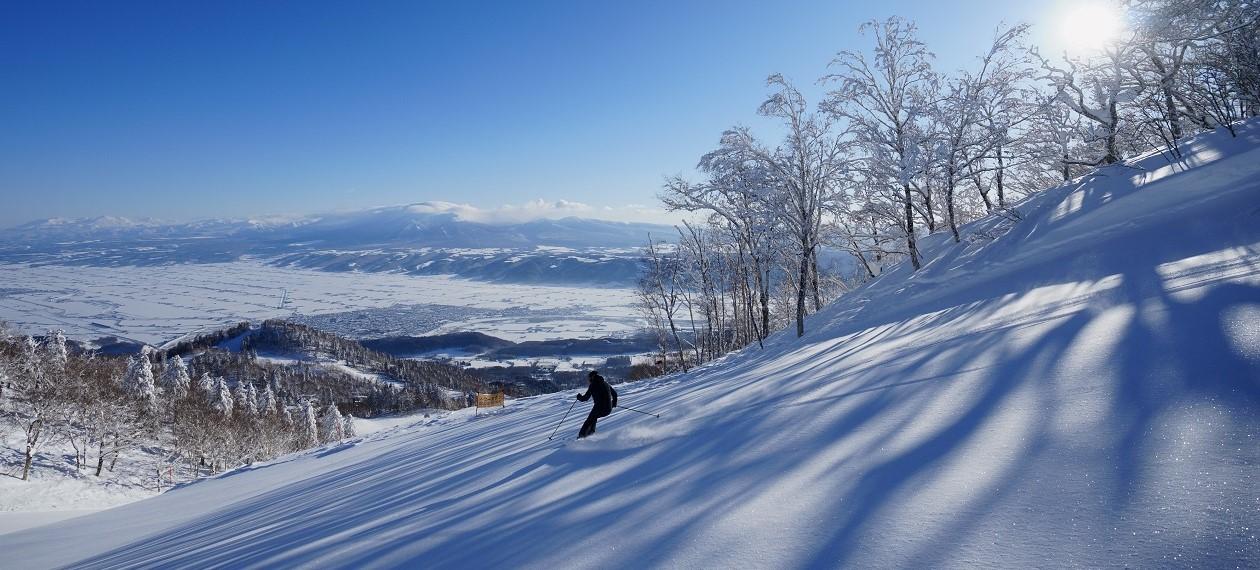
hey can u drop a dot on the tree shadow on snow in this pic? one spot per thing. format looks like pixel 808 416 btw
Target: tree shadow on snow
pixel 494 492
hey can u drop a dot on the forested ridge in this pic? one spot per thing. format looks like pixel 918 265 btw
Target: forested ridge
pixel 205 408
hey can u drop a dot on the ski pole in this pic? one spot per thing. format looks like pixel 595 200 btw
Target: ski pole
pixel 566 416
pixel 640 411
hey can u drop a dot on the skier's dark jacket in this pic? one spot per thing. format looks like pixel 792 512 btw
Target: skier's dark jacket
pixel 605 396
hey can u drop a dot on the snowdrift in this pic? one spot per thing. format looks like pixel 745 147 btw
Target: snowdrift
pixel 1077 387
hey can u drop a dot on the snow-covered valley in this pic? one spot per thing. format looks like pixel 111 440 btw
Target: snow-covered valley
pixel 1078 387
pixel 159 303
pixel 425 239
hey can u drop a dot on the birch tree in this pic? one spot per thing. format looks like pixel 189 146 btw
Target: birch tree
pixel 884 97
pixel 1095 87
pixel 661 296
pixel 804 171
pixel 733 196
pixel 964 138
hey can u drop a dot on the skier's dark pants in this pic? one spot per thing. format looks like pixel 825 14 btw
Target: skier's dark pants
pixel 588 427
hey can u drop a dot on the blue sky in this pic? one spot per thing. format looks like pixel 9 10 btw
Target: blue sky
pixel 183 110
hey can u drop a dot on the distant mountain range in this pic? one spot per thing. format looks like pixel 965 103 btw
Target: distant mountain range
pixel 406 226
pixel 406 239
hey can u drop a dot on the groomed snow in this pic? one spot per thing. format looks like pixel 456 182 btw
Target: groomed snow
pixel 1079 390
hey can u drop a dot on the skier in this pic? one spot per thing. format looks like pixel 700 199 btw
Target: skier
pixel 605 401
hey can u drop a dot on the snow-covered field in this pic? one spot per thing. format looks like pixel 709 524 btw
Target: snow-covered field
pixel 323 361
pixel 568 364
pixel 159 303
pixel 56 490
pixel 1077 389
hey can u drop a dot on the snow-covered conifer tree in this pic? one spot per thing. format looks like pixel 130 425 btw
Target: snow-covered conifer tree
pixel 333 428
pixel 307 428
pixel 222 401
pixel 138 381
pixel 245 398
pixel 349 426
pixel 267 401
pixel 174 378
pixel 209 388
pixel 251 394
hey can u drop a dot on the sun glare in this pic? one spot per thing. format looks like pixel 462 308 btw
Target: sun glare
pixel 1090 25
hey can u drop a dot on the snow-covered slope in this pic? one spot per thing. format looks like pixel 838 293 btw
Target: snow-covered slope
pixel 1078 388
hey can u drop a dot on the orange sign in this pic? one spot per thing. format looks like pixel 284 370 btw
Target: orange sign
pixel 490 400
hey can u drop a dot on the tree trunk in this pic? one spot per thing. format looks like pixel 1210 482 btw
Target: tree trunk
pixel 999 179
pixel 763 294
pixel 113 458
pixel 813 263
pixel 26 462
pixel 32 439
pixel 682 360
pixel 984 195
pixel 752 317
pixel 1174 117
pixel 100 458
pixel 1170 105
pixel 75 446
pixel 949 204
pixel 866 265
pixel 914 250
pixel 801 287
pixel 928 216
pixel 701 347
pixel 1113 155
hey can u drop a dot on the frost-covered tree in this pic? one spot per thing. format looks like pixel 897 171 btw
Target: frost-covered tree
pixel 348 428
pixel 245 398
pixel 660 297
pixel 885 97
pixel 57 353
pixel 1096 87
pixel 808 166
pixel 33 402
pixel 307 427
pixel 138 381
pixel 267 401
pixel 733 196
pixel 174 378
pixel 963 136
pixel 208 387
pixel 222 401
pixel 1178 45
pixel 333 427
pixel 804 169
pixel 251 398
pixel 7 362
pixel 93 410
